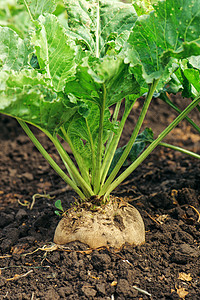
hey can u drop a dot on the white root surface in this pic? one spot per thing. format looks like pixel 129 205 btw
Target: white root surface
pixel 112 225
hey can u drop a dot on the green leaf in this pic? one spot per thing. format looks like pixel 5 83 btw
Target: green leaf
pixel 170 31
pixel 114 74
pixel 13 16
pixel 39 7
pixel 58 57
pixel 186 78
pixel 58 213
pixel 82 131
pixel 174 85
pixel 13 50
pixel 58 205
pixel 141 141
pixel 84 86
pixel 17 17
pixel 56 53
pixel 193 77
pixel 28 96
pixel 144 6
pixel 93 23
pixel 21 23
pixel 194 62
pixel 110 71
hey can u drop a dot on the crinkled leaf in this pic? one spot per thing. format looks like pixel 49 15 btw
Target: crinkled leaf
pixel 144 6
pixel 26 95
pixel 114 74
pixel 186 86
pixel 141 141
pixel 171 30
pixel 174 85
pixel 96 33
pixel 193 77
pixel 13 50
pixel 55 52
pixel 186 78
pixel 39 7
pixel 21 23
pixel 13 15
pixel 110 71
pixel 113 27
pixel 16 16
pixel 194 62
pixel 84 86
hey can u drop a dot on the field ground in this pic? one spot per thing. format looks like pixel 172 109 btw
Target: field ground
pixel 166 191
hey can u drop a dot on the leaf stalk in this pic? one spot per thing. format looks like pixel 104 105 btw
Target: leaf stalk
pixel 97 173
pixel 180 149
pixel 76 156
pixel 78 178
pixel 152 146
pixel 97 29
pixel 166 99
pixel 113 146
pixel 29 12
pixel 133 136
pixel 49 159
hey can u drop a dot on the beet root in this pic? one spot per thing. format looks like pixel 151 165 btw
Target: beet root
pixel 112 225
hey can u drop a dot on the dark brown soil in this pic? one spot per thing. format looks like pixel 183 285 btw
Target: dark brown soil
pixel 166 191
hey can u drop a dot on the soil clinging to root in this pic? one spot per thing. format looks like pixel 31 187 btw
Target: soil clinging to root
pixel 111 225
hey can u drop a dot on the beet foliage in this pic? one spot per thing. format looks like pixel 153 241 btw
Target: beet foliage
pixel 73 61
